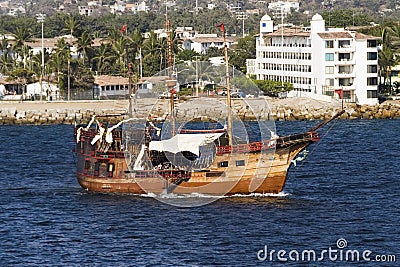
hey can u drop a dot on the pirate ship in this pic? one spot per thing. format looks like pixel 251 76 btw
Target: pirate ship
pixel 133 157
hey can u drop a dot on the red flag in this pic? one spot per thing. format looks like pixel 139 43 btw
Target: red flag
pixel 123 29
pixel 340 93
pixel 221 27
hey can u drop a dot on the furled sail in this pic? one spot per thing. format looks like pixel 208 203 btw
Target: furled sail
pixel 184 142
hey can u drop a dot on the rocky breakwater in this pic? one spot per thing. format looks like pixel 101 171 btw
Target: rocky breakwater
pixel 193 109
pixel 309 109
pixel 56 112
pixel 386 110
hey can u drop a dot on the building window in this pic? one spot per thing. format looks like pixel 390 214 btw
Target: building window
pixel 344 69
pixel 371 43
pixel 329 56
pixel 329 70
pixel 223 164
pixel 264 24
pixel 372 69
pixel 329 44
pixel 329 82
pixel 345 82
pixel 344 43
pixel 240 163
pixel 372 55
pixel 344 56
pixel 372 94
pixel 372 81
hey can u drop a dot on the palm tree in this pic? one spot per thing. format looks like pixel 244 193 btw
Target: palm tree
pixel 6 60
pixel 22 35
pixel 135 47
pixel 394 31
pixel 6 63
pixel 84 45
pixel 60 60
pixel 119 44
pixel 103 58
pixel 153 51
pixel 71 25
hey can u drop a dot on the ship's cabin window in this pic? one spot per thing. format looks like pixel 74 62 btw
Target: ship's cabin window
pixel 240 162
pixel 110 169
pixel 223 164
pixel 96 168
pixel 87 164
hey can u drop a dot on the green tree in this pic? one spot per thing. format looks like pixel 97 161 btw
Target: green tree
pixel 22 36
pixel 84 45
pixel 82 79
pixel 70 25
pixel 245 49
pixel 103 58
pixel 119 44
pixel 273 88
pixel 186 55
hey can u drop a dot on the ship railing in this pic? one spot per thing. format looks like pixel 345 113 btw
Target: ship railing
pixel 268 144
pixel 295 138
pixel 110 154
pixel 167 173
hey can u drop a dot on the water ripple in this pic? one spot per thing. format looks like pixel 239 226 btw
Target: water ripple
pixel 347 188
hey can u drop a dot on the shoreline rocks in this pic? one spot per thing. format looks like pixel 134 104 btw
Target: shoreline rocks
pixel 279 109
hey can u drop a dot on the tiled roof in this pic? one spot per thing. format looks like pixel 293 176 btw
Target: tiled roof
pixel 331 35
pixel 289 32
pixel 364 36
pixel 52 42
pixel 103 80
pixel 229 39
pixel 4 80
pixel 154 79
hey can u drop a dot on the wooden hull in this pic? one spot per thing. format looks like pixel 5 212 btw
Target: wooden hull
pixel 254 177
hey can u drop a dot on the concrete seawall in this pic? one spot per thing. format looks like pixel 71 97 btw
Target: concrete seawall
pixel 37 113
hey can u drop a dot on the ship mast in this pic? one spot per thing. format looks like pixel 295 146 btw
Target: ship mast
pixel 131 91
pixel 228 88
pixel 170 84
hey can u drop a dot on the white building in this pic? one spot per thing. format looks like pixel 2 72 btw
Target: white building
pixel 118 7
pixel 86 10
pixel 49 90
pixel 283 7
pixel 202 42
pixel 320 63
pixel 110 87
pixel 138 7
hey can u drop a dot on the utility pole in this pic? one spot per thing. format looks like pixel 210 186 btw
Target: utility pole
pixel 242 16
pixel 40 18
pixel 197 76
pixel 69 73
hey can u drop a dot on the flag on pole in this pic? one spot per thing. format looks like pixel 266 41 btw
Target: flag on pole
pixel 339 92
pixel 123 29
pixel 221 27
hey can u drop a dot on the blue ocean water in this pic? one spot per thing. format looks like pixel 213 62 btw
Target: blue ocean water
pixel 344 196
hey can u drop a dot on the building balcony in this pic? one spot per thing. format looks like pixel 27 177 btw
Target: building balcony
pixel 348 87
pixel 345 75
pixel 345 61
pixel 346 49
